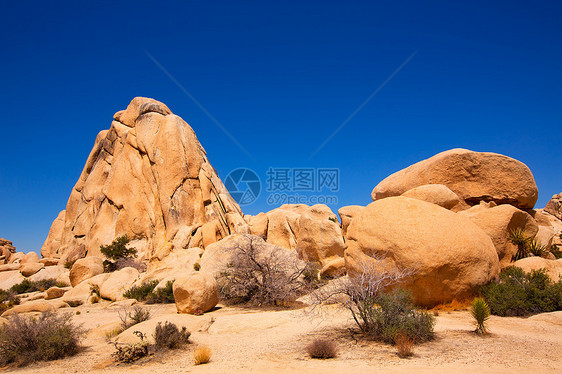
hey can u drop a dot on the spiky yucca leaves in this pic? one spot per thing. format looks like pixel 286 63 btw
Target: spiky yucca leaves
pixel 521 240
pixel 481 312
pixel 535 248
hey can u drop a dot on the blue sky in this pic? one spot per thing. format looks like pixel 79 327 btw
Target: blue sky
pixel 281 77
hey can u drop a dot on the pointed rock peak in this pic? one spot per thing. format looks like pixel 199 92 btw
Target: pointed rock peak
pixel 139 106
pixel 149 178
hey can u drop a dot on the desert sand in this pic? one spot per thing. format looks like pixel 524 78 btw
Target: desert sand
pixel 273 341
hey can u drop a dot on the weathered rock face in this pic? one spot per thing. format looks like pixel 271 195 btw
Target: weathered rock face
pixel 434 193
pixel 553 267
pixel 498 222
pixel 117 283
pixel 346 215
pixel 196 293
pixel 472 176
pixel 148 177
pixel 554 206
pixel 314 231
pixel 320 238
pixel 6 251
pixel 550 228
pixel 30 268
pixel 450 255
pixel 85 268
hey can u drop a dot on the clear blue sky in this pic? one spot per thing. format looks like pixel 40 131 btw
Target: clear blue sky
pixel 281 76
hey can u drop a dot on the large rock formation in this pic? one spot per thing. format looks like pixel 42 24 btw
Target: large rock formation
pixel 554 206
pixel 499 222
pixel 6 251
pixel 148 177
pixel 473 176
pixel 449 255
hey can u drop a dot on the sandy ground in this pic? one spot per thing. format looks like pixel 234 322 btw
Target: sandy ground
pixel 245 340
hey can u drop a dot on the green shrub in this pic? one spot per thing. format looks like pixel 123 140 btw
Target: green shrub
pixel 518 293
pixel 395 315
pixel 169 336
pixel 164 295
pixel 68 264
pixel 116 252
pixel 51 336
pixel 32 286
pixel 480 312
pixel 141 292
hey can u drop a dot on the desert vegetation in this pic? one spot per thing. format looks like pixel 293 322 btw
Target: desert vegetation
pixel 147 292
pixel 517 293
pixel 27 285
pixel 24 340
pixel 322 349
pixel 260 276
pixel 201 355
pixel 120 255
pixel 481 313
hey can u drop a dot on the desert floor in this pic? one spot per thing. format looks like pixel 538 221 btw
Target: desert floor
pixel 249 340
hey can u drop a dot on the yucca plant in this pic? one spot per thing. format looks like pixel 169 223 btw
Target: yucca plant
pixel 535 248
pixel 521 240
pixel 481 312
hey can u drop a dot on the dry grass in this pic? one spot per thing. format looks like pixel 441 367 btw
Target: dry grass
pixel 322 349
pixel 453 306
pixel 404 345
pixel 202 355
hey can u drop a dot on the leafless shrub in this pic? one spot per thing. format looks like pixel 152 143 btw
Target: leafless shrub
pixel 322 348
pixel 379 313
pixel 130 318
pixel 130 262
pixel 263 274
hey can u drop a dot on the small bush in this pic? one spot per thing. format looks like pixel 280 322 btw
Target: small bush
pixel 51 336
pixel 68 264
pixel 117 252
pixel 396 315
pixel 141 292
pixel 164 295
pixel 404 345
pixel 202 355
pixel 137 315
pixel 131 352
pixel 7 300
pixel 32 286
pixel 322 349
pixel 518 293
pixel 110 334
pixel 480 312
pixel 169 336
pixel 196 266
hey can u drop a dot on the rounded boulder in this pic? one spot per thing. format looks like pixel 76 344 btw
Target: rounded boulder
pixel 447 255
pixel 196 293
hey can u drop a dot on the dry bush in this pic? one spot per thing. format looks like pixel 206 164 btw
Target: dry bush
pixel 378 313
pixel 261 275
pixel 169 336
pixel 202 355
pixel 131 352
pixel 454 305
pixel 51 336
pixel 404 345
pixel 131 318
pixel 322 348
